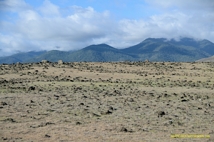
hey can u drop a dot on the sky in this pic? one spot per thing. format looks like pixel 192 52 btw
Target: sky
pixel 34 25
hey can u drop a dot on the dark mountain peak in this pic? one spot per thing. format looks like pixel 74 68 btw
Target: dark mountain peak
pixel 103 45
pixel 148 45
pixel 172 40
pixel 205 41
pixel 55 51
pixel 159 49
pixel 188 41
pixel 191 42
pixel 99 47
pixel 156 39
pixel 181 39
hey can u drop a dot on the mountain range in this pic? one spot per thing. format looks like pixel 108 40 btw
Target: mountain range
pixel 153 49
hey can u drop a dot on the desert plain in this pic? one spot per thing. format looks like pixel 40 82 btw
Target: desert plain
pixel 106 101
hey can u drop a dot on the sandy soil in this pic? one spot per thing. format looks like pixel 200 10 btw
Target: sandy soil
pixel 120 101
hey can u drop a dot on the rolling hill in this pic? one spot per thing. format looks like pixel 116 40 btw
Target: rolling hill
pixel 153 49
pixel 100 53
pixel 209 59
pixel 162 49
pixel 21 57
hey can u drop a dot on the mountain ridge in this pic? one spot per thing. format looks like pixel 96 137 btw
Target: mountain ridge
pixel 153 49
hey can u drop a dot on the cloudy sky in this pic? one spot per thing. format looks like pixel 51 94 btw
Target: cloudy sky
pixel 32 25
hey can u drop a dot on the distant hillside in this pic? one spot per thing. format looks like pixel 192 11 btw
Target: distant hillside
pixel 21 57
pixel 53 56
pixel 99 53
pixel 163 50
pixel 95 53
pixel 209 59
pixel 153 49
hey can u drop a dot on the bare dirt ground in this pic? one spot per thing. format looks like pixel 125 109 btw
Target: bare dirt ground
pixel 117 101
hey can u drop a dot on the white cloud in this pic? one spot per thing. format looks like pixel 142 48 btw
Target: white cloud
pixel 172 25
pixel 49 9
pixel 197 5
pixel 12 43
pixel 28 15
pixel 46 28
pixel 13 5
pixel 177 18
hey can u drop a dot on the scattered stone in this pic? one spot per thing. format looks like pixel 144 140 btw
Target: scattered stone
pixel 4 138
pixel 184 100
pixel 130 99
pixel 96 114
pixel 161 113
pixel 78 123
pixel 123 129
pixel 10 120
pixel 44 61
pixel 47 136
pixel 109 111
pixel 31 88
pixel 125 105
pixel 60 62
pixel 3 103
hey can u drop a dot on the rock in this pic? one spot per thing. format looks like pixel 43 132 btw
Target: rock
pixel 123 129
pixel 109 111
pixel 96 114
pixel 78 123
pixel 60 62
pixel 10 120
pixel 47 136
pixel 31 88
pixel 18 64
pixel 44 61
pixel 146 61
pixel 3 103
pixel 161 113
